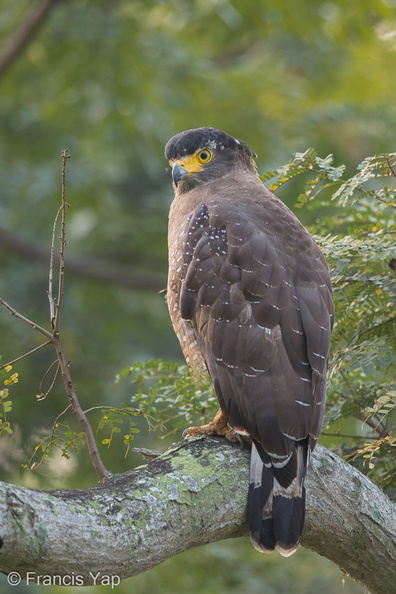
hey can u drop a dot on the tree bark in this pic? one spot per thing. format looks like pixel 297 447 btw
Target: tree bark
pixel 193 494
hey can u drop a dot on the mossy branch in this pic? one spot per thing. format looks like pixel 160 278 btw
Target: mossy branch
pixel 191 495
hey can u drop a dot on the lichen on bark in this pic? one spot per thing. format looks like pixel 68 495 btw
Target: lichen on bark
pixel 192 494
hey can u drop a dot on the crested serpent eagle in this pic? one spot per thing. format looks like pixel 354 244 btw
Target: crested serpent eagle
pixel 250 300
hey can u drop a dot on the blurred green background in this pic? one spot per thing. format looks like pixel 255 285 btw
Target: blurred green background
pixel 112 82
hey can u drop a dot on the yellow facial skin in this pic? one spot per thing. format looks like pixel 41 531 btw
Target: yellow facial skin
pixel 194 163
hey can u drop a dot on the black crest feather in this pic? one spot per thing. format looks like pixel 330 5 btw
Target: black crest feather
pixel 189 141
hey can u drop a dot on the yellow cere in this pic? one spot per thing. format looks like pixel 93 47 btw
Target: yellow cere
pixel 193 163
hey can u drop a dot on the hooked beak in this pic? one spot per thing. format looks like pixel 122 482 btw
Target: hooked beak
pixel 178 173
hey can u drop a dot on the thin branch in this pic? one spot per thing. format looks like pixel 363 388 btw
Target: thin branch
pixel 25 33
pixel 81 417
pixel 51 440
pixel 26 354
pixel 379 428
pixel 127 410
pixel 58 417
pixel 376 326
pixel 55 423
pixel 54 337
pixel 51 297
pixel 33 465
pixel 44 395
pixel 390 165
pixel 61 278
pixel 97 269
pixel 348 436
pixel 47 372
pixel 19 316
pixel 100 469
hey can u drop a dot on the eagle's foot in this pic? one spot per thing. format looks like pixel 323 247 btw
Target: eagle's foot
pixel 218 426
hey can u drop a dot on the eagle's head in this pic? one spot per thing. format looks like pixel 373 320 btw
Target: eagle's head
pixel 203 155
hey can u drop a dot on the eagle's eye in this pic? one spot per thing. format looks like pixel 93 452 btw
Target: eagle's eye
pixel 204 156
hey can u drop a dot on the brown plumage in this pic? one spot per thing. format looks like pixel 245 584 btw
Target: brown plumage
pixel 250 300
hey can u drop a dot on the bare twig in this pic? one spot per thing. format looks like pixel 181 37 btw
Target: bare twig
pixel 349 436
pixel 81 417
pixel 19 316
pixel 51 297
pixel 44 395
pixel 378 427
pixel 57 419
pixel 25 32
pixel 390 165
pixel 25 354
pixel 54 337
pixel 61 278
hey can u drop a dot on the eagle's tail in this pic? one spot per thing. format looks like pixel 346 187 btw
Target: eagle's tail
pixel 276 502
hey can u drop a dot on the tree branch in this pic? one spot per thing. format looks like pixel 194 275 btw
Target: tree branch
pixel 25 32
pixel 61 274
pixel 54 337
pixel 80 415
pixel 19 316
pixel 88 267
pixel 193 494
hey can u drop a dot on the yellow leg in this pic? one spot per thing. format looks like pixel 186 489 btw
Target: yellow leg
pixel 218 426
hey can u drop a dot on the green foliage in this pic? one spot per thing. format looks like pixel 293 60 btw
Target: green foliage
pixel 168 394
pixel 70 441
pixel 63 437
pixel 111 420
pixel 379 455
pixel 325 176
pixel 379 166
pixel 8 380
